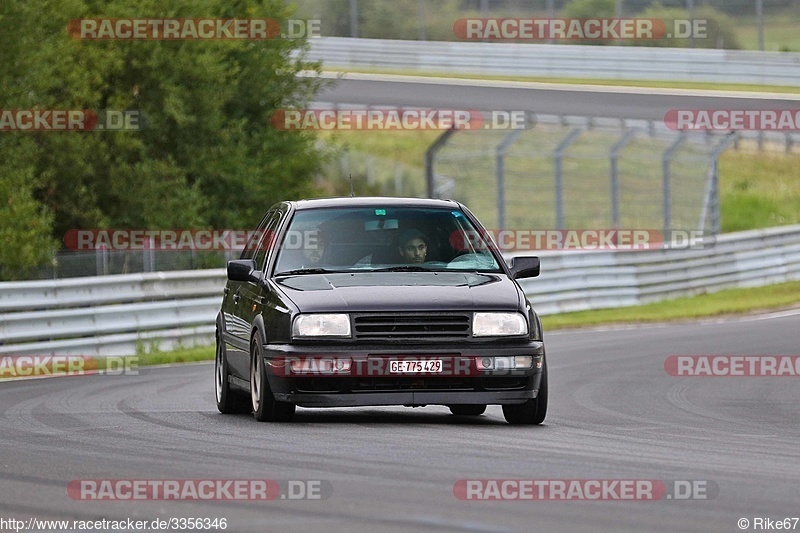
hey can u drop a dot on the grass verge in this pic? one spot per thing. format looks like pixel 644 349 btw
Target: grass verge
pixel 183 355
pixel 43 365
pixel 648 84
pixel 718 304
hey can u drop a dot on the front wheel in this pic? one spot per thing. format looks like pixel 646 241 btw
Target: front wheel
pixel 229 401
pixel 533 410
pixel 467 409
pixel 265 407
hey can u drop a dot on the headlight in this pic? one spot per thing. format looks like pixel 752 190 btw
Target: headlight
pixel 498 324
pixel 319 325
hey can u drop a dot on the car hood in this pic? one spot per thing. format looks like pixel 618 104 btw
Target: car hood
pixel 401 291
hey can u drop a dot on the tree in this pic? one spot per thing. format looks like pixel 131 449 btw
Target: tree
pixel 206 155
pixel 25 225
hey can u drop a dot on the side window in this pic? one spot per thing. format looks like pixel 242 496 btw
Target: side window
pixel 267 238
pixel 250 249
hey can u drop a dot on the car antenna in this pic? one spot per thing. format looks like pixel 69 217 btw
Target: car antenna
pixel 352 193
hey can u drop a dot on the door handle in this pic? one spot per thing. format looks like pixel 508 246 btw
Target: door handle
pixel 236 298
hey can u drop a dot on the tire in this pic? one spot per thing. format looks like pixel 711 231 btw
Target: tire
pixel 467 409
pixel 265 407
pixel 534 410
pixel 229 401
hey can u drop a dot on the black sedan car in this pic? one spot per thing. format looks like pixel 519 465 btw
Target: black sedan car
pixel 378 301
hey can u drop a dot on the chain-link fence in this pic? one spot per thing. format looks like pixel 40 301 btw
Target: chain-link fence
pixel 569 172
pixel 769 25
pixel 579 173
pixel 103 262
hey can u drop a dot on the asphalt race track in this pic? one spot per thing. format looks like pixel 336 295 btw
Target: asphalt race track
pixel 614 102
pixel 615 414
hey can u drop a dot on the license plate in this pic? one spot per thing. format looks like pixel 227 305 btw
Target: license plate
pixel 414 366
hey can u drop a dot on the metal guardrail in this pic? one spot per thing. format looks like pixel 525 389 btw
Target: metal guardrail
pixel 115 315
pixel 110 315
pixel 569 61
pixel 576 281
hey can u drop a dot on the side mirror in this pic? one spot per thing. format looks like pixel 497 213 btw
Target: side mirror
pixel 244 270
pixel 524 267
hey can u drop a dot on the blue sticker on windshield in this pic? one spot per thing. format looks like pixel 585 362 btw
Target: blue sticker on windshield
pixel 457 213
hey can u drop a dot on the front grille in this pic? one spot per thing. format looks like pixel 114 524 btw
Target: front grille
pixel 411 326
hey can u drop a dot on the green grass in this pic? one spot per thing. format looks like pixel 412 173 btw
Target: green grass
pixel 183 355
pixel 404 146
pixel 759 190
pixel 652 84
pixel 722 303
pixel 780 34
pixel 60 364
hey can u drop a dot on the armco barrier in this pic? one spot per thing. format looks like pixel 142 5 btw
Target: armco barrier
pixel 556 60
pixel 115 315
pixel 110 315
pixel 574 281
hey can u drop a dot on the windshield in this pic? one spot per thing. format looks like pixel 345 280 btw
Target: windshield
pixel 379 239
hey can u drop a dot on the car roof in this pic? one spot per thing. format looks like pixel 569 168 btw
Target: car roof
pixel 373 201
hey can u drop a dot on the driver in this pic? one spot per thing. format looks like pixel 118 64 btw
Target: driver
pixel 413 246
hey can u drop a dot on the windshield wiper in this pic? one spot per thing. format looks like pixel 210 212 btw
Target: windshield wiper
pixel 301 271
pixel 405 268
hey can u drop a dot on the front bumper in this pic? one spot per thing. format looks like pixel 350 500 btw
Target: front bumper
pixel 369 382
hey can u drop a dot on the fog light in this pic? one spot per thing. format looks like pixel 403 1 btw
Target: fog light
pixel 485 363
